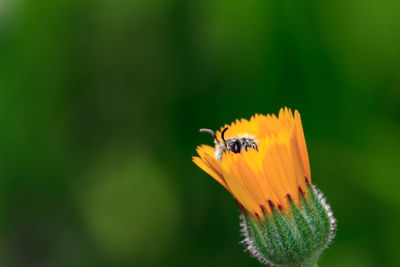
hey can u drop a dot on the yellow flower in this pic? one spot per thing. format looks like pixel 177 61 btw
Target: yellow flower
pixel 278 170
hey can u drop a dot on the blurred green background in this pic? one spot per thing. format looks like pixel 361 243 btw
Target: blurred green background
pixel 101 102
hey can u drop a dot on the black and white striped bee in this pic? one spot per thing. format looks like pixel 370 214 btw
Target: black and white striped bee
pixel 235 145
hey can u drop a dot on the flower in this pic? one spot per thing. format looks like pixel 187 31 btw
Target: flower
pixel 285 220
pixel 258 178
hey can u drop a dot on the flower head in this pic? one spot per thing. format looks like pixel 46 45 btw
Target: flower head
pixel 263 162
pixel 259 178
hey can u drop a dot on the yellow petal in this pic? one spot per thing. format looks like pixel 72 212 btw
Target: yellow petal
pixel 278 167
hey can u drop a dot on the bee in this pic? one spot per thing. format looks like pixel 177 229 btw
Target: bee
pixel 235 145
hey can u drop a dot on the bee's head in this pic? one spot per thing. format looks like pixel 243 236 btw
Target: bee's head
pixel 235 145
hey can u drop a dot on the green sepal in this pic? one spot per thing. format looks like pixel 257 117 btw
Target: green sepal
pixel 263 244
pixel 288 235
pixel 304 229
pixel 294 237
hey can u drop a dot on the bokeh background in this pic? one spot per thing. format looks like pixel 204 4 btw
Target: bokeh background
pixel 101 102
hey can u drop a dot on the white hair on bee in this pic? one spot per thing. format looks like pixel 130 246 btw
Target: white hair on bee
pixel 236 145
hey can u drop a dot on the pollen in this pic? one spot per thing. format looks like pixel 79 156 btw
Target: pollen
pixel 271 176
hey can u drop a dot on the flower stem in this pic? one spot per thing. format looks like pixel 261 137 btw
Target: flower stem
pixel 314 263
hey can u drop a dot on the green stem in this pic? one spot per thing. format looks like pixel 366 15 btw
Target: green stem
pixel 313 263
